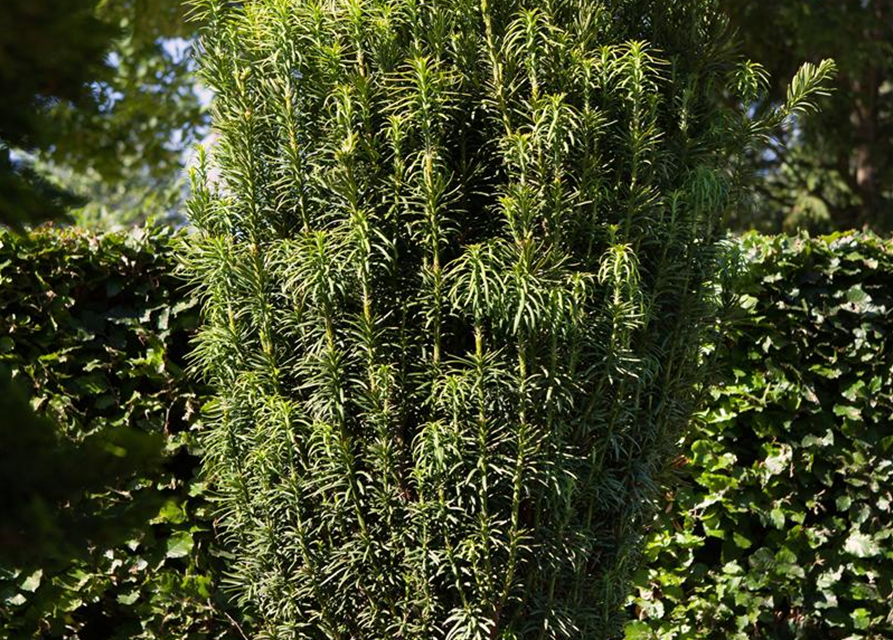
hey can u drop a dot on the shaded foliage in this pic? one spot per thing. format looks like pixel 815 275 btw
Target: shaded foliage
pixel 93 545
pixel 784 528
pixel 100 105
pixel 833 170
pixel 452 258
pixel 46 513
pixel 49 49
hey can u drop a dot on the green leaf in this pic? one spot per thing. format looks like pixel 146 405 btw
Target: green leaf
pixel 638 630
pixel 171 512
pixel 846 411
pixel 742 542
pixel 179 544
pixel 32 582
pixel 762 560
pixel 861 618
pixel 861 545
pixel 778 460
pixel 815 441
pixel 855 391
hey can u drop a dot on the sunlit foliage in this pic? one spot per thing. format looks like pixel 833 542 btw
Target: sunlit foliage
pixel 453 257
pixel 782 527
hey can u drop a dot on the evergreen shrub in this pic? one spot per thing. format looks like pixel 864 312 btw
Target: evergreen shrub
pixel 783 527
pixel 452 259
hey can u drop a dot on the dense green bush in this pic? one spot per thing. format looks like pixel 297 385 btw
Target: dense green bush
pixel 452 258
pixel 771 449
pixel 784 526
pixel 97 328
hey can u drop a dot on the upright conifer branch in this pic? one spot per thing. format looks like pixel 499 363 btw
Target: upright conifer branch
pixel 454 259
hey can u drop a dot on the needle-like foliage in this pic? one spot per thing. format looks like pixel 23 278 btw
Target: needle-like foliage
pixel 453 257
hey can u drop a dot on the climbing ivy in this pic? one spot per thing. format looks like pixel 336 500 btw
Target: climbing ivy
pixel 96 329
pixel 782 527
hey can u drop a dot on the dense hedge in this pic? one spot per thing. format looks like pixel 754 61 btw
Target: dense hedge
pixel 783 528
pixel 98 330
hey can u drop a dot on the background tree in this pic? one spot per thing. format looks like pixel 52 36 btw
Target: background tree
pixel 454 273
pixel 103 106
pixel 49 49
pixel 834 169
pixel 127 155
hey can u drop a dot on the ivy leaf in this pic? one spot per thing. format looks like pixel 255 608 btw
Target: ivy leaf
pixel 861 618
pixel 855 392
pixel 778 461
pixel 815 441
pixel 861 545
pixel 179 544
pixel 171 513
pixel 845 411
pixel 638 630
pixel 742 541
pixel 762 560
pixel 32 582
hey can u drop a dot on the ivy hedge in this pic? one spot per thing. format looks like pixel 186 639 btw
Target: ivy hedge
pixel 97 329
pixel 780 527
